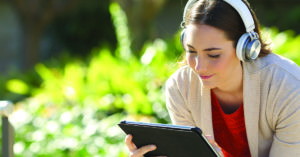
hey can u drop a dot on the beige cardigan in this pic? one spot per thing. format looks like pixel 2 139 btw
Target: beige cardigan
pixel 271 105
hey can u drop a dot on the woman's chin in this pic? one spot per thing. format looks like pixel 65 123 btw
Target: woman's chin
pixel 208 85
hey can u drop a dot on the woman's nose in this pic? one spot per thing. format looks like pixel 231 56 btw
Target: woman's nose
pixel 201 65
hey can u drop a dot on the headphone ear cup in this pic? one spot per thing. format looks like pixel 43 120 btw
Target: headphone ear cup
pixel 247 49
pixel 240 47
pixel 253 49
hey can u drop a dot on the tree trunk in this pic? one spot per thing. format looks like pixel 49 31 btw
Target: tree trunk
pixel 30 46
pixel 35 16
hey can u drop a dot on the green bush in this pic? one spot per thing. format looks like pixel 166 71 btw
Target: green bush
pixel 75 110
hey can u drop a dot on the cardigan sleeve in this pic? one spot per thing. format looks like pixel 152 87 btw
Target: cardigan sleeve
pixel 286 119
pixel 176 103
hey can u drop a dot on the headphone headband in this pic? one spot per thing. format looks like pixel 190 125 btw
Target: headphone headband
pixel 238 5
pixel 244 12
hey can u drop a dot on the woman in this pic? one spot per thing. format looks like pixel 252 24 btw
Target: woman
pixel 233 87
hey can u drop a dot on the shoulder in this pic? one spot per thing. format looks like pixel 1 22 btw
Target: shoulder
pixel 279 74
pixel 280 81
pixel 277 66
pixel 279 86
pixel 279 78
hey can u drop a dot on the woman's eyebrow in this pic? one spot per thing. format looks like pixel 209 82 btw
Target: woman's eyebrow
pixel 212 49
pixel 207 49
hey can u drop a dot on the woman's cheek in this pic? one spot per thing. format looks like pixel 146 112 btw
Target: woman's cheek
pixel 218 65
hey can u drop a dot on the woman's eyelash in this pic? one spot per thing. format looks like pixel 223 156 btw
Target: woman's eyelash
pixel 211 56
pixel 214 56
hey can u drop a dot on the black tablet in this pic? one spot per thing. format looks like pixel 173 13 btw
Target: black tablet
pixel 171 140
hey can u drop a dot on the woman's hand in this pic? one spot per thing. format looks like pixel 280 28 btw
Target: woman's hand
pixel 133 151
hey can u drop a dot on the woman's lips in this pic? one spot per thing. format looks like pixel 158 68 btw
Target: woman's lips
pixel 204 77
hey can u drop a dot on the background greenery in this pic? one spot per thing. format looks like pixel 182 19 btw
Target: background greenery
pixel 71 106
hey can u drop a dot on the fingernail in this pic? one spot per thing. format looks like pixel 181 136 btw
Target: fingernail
pixel 153 147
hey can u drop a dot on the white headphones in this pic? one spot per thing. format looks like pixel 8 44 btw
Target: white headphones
pixel 248 46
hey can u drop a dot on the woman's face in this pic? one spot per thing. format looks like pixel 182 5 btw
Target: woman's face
pixel 210 54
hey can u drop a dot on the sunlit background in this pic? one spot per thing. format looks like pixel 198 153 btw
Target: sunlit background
pixel 75 68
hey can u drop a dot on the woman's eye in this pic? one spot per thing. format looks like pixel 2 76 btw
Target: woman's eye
pixel 214 56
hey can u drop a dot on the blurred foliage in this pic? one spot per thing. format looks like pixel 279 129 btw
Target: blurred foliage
pixel 75 110
pixel 122 31
pixel 76 105
pixel 285 43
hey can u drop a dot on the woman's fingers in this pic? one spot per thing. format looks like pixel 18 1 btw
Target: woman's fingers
pixel 130 145
pixel 210 139
pixel 134 152
pixel 143 150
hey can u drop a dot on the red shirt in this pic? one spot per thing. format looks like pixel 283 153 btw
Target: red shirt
pixel 229 130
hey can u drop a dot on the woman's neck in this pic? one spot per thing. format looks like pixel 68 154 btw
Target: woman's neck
pixel 230 94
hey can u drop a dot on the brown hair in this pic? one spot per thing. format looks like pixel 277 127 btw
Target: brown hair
pixel 223 16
